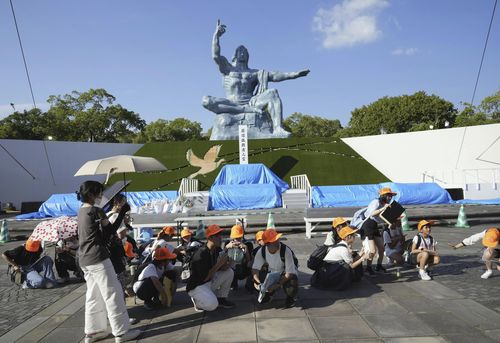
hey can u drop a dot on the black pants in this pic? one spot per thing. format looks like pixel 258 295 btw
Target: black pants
pixel 148 292
pixel 65 262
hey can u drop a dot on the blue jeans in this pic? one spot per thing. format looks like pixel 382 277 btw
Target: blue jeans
pixel 39 273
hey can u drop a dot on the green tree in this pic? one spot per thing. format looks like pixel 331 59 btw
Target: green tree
pixel 179 129
pixel 488 112
pixel 91 116
pixel 303 125
pixel 24 125
pixel 401 114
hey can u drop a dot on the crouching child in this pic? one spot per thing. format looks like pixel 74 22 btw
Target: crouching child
pixel 341 266
pixel 282 269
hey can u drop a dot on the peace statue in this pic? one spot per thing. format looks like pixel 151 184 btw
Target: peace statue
pixel 248 100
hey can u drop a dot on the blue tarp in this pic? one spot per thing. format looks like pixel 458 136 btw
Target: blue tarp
pixel 68 205
pixel 480 202
pixel 246 186
pixel 361 195
pixel 244 197
pixel 256 173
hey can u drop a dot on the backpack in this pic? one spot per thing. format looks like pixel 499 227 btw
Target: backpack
pixel 187 259
pixel 407 255
pixel 282 254
pixel 315 260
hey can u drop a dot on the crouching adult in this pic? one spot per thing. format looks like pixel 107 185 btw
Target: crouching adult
pixel 149 286
pixel 342 266
pixel 36 272
pixel 211 277
pixel 491 241
pixel 282 269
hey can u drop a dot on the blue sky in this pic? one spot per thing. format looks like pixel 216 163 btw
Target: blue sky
pixel 154 56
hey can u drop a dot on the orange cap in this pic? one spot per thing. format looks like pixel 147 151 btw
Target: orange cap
pixel 212 230
pixel 386 190
pixel 338 221
pixel 186 232
pixel 423 223
pixel 270 236
pixel 237 231
pixel 258 235
pixel 129 249
pixel 346 231
pixel 168 230
pixel 32 246
pixel 491 237
pixel 161 254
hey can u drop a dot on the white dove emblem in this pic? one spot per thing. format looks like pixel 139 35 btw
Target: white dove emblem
pixel 207 164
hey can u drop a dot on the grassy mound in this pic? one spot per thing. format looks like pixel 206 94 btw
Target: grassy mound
pixel 325 161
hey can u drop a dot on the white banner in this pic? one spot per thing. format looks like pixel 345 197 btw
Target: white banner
pixel 243 130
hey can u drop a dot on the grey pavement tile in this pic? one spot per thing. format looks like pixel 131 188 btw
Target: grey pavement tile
pixel 328 308
pixel 417 303
pixel 401 325
pixel 309 292
pixel 66 335
pixel 415 340
pixel 283 329
pixel 434 290
pixel 396 288
pixel 472 312
pixel 186 332
pixel 377 305
pixel 276 309
pixel 76 320
pixel 44 329
pixel 446 323
pixel 355 340
pixel 228 331
pixel 243 310
pixel 361 289
pixel 342 327
pixel 468 338
pixel 493 334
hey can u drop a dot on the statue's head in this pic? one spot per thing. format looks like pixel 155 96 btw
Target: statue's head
pixel 241 55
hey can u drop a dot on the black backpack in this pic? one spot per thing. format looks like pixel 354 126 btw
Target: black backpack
pixel 282 254
pixel 315 260
pixel 407 255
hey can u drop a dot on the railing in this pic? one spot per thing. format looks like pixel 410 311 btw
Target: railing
pixel 188 186
pixel 464 177
pixel 302 182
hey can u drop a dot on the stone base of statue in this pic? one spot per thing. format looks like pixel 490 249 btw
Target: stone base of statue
pixel 259 126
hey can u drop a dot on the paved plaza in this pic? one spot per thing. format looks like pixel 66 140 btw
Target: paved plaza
pixel 457 306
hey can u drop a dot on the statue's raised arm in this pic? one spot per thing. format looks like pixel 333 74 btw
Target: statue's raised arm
pixel 277 76
pixel 221 61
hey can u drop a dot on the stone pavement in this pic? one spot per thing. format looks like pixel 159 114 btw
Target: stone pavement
pixel 457 306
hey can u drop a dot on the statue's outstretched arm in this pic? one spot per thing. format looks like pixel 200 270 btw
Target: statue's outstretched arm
pixel 221 61
pixel 277 76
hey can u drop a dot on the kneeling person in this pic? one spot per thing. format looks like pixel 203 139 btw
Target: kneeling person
pixel 37 272
pixel 210 280
pixel 282 271
pixel 149 286
pixel 342 266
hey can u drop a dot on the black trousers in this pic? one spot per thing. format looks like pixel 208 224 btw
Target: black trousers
pixel 65 262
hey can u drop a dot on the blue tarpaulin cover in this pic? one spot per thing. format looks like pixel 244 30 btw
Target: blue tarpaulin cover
pixel 361 195
pixel 246 186
pixel 68 205
pixel 482 201
pixel 244 197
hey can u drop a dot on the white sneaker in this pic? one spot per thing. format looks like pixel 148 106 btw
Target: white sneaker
pixel 487 274
pixel 195 307
pixel 130 335
pixel 96 337
pixel 423 275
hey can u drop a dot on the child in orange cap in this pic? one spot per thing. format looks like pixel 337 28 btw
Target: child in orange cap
pixel 148 286
pixel 186 249
pixel 239 252
pixel 370 228
pixel 332 237
pixel 490 238
pixel 424 250
pixel 36 272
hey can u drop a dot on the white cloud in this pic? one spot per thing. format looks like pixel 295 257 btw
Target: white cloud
pixel 404 51
pixel 350 23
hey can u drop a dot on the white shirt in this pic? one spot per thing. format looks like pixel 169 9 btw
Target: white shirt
pixel 150 271
pixel 372 207
pixel 341 252
pixel 476 238
pixel 425 243
pixel 112 218
pixel 274 261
